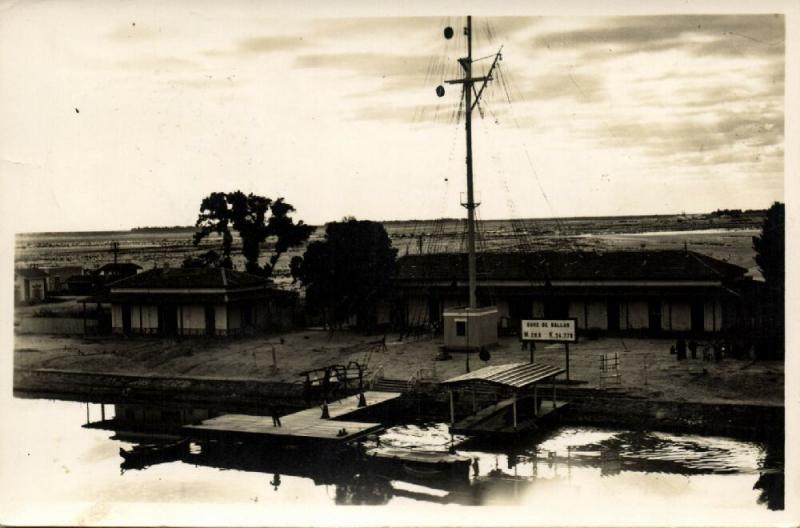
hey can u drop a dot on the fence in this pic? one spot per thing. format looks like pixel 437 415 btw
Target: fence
pixel 57 325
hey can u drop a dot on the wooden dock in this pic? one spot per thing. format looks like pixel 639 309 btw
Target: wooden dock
pixel 303 425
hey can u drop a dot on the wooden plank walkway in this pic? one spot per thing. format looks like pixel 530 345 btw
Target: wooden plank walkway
pixel 306 424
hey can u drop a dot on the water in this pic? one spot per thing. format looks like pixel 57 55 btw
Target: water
pixel 53 470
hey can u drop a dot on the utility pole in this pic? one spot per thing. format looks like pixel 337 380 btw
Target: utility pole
pixel 115 250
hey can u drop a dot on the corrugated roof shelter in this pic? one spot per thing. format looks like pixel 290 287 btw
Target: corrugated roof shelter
pixel 517 376
pixel 493 419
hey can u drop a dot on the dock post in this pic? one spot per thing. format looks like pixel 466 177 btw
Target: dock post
pixel 554 391
pixel 103 412
pixel 535 399
pixel 514 408
pixel 452 409
pixel 325 414
pixel 566 349
pixel 87 413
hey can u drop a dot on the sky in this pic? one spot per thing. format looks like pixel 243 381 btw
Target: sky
pixel 123 114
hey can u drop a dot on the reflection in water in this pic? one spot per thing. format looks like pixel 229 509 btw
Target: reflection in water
pixel 523 472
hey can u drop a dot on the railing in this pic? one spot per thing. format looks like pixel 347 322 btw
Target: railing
pixel 376 377
pixel 423 373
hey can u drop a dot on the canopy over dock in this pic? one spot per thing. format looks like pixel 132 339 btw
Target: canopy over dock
pixel 520 379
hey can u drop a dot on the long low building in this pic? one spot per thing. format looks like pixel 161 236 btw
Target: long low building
pixel 202 301
pixel 653 292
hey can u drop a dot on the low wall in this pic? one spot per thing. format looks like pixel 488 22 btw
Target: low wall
pixel 737 419
pixel 232 394
pixel 56 325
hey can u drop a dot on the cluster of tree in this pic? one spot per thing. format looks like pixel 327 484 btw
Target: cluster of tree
pixel 348 273
pixel 770 248
pixel 255 218
pixel 733 213
pixel 159 229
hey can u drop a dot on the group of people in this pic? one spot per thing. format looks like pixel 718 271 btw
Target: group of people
pixel 680 347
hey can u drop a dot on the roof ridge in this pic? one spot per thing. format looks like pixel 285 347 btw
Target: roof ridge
pixel 701 261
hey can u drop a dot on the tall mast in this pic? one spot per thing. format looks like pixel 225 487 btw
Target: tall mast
pixel 473 300
pixel 468 83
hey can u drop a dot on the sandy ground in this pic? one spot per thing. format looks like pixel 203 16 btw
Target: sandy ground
pixel 646 367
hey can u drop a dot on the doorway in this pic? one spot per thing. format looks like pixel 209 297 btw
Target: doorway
pixel 126 319
pixel 211 320
pixel 654 316
pixel 613 316
pixel 697 314
pixel 167 320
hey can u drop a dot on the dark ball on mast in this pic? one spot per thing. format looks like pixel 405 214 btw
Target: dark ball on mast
pixel 448 32
pixel 440 90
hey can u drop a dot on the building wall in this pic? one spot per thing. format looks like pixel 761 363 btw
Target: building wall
pixel 598 314
pixel 28 290
pixel 665 314
pixel 712 315
pixel 116 318
pixel 576 311
pixel 481 330
pixel 592 313
pixel 681 316
pixel 193 319
pixel 634 315
pixel 234 318
pixel 502 307
pixel 221 319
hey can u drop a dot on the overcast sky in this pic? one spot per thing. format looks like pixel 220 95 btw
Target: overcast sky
pixel 117 115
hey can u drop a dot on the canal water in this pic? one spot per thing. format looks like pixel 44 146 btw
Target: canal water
pixel 55 470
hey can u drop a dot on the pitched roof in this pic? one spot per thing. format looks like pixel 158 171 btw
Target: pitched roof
pixel 514 375
pixel 217 278
pixel 113 267
pixel 573 265
pixel 31 273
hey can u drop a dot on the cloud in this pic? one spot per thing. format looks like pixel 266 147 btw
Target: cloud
pixel 158 64
pixel 133 31
pixel 261 44
pixel 700 35
pixel 581 87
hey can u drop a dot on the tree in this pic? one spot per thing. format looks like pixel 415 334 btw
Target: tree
pixel 255 218
pixel 349 272
pixel 770 246
pixel 209 259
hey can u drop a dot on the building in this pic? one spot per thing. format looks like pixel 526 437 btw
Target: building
pixel 58 277
pixel 645 292
pixel 114 271
pixel 30 285
pixel 200 301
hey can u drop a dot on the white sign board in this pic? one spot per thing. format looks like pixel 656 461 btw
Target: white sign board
pixel 557 330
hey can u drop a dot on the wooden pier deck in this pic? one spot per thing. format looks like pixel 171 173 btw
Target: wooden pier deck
pixel 303 425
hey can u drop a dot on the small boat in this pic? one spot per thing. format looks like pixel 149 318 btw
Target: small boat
pixel 144 455
pixel 422 464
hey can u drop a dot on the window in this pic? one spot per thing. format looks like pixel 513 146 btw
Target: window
pixel 461 328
